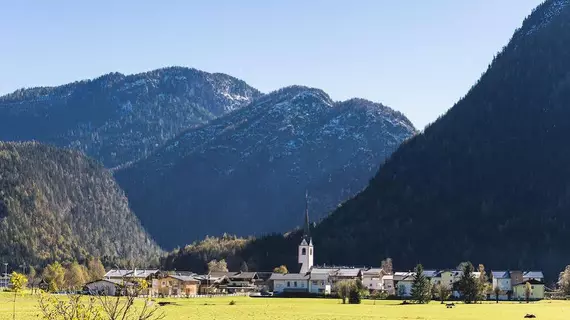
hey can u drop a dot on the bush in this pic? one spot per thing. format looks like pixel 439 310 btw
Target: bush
pixel 232 303
pixel 354 296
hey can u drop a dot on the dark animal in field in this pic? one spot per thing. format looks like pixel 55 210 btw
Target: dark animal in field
pixel 449 305
pixel 529 315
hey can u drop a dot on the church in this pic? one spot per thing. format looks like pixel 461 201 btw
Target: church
pixel 311 279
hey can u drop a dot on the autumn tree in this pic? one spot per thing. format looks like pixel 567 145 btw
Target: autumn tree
pixel 482 284
pixel 218 266
pixel 442 292
pixel 54 274
pixel 96 269
pixel 497 291
pixel 281 269
pixel 527 291
pixel 75 277
pixel 18 282
pixel 564 281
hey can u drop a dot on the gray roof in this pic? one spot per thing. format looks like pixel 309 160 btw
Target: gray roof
pixel 319 276
pixel 533 274
pixel 372 272
pixel 127 273
pixel 500 274
pixel 347 272
pixel 431 273
pixel 185 278
pixel 289 276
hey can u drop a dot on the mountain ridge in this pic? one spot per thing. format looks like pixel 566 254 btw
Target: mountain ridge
pixel 118 118
pixel 297 137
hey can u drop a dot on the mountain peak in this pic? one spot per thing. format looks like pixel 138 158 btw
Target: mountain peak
pixel 116 118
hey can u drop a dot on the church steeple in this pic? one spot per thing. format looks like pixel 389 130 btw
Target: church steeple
pixel 306 247
pixel 307 229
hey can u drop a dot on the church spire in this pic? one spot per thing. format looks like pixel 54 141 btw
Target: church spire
pixel 307 230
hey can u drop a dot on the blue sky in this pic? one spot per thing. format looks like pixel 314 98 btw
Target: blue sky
pixel 417 56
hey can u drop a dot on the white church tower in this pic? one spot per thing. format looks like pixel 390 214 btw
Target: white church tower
pixel 306 251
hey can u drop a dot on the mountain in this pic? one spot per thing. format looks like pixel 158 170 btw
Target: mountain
pixel 488 182
pixel 247 172
pixel 116 118
pixel 59 205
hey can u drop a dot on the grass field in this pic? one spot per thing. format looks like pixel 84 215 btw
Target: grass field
pixel 319 309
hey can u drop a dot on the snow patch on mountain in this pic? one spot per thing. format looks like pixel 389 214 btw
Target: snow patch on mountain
pixel 553 10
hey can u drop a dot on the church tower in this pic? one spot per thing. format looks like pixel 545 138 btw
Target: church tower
pixel 306 247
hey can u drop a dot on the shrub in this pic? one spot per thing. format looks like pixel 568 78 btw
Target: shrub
pixel 232 303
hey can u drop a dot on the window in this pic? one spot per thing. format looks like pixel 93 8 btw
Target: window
pixel 295 284
pixel 322 283
pixel 303 251
pixel 288 284
pixel 311 251
pixel 532 287
pixel 315 282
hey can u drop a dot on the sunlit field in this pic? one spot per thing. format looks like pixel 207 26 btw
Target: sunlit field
pixel 316 309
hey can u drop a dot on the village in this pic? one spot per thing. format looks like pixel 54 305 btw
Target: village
pixel 312 281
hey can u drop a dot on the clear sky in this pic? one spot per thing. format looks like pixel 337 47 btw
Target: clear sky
pixel 416 56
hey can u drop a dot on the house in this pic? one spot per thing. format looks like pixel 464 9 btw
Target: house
pixel 290 282
pixel 403 282
pixel 107 287
pixel 320 282
pixel 4 281
pixel 211 284
pixel 533 275
pixel 235 282
pixel 388 284
pixel 503 281
pixel 443 277
pixel 176 285
pixel 516 277
pixel 263 283
pixel 536 291
pixel 372 279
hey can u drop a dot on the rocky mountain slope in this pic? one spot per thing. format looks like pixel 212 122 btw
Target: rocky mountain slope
pixel 60 205
pixel 247 172
pixel 116 118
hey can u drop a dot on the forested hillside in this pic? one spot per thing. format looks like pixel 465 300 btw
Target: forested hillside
pixel 247 173
pixel 488 182
pixel 120 118
pixel 59 205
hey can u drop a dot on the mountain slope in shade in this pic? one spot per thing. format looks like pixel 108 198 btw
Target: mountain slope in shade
pixel 60 205
pixel 116 118
pixel 488 182
pixel 247 172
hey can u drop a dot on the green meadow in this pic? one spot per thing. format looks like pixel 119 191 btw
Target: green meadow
pixel 317 309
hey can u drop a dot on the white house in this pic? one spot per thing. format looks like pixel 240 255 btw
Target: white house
pixel 290 282
pixel 372 279
pixel 388 284
pixel 502 280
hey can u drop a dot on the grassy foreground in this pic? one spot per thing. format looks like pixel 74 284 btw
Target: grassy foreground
pixel 320 309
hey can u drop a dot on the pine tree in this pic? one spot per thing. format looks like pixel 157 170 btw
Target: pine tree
pixel 421 291
pixel 468 284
